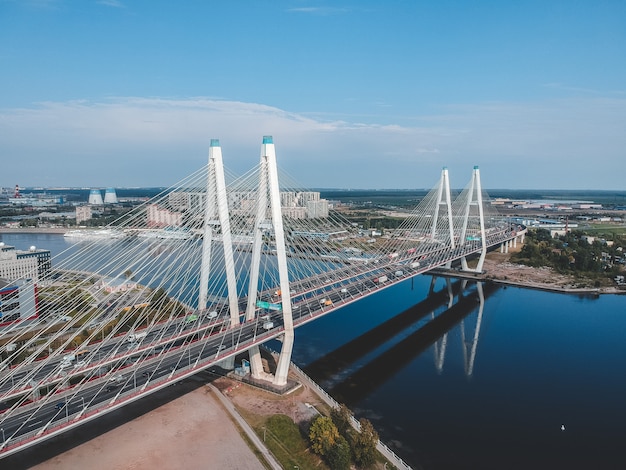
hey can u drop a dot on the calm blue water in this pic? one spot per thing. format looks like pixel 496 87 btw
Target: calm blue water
pixel 542 360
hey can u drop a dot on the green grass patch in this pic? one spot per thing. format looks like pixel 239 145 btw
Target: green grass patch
pixel 607 229
pixel 283 438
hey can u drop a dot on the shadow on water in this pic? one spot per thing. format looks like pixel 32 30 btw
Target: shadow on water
pixel 371 376
pixel 335 361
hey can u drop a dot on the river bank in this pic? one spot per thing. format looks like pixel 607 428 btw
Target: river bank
pixel 497 268
pixel 16 230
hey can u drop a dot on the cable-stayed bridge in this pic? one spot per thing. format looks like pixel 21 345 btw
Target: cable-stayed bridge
pixel 212 267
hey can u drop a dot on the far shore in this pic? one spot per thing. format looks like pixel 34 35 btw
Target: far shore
pixel 502 278
pixel 34 230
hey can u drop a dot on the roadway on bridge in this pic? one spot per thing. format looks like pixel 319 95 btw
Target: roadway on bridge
pixel 176 350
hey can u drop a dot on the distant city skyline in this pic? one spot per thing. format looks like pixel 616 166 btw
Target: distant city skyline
pixel 363 95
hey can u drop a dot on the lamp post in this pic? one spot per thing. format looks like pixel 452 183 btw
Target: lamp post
pixel 3 439
pixel 83 402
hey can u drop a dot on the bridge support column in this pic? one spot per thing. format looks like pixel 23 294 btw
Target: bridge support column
pixel 433 281
pixel 443 201
pixel 269 156
pixel 475 199
pixel 216 216
pixel 269 218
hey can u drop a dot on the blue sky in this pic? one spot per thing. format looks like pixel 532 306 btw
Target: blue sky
pixel 360 94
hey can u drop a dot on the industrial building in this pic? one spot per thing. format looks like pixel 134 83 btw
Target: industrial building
pixel 110 196
pixel 95 197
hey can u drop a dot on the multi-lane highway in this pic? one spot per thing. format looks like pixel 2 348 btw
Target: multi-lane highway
pixel 117 371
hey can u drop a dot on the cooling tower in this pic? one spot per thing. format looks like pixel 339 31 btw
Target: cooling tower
pixel 109 196
pixel 95 197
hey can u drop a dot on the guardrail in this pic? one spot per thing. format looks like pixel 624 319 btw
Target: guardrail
pixel 330 401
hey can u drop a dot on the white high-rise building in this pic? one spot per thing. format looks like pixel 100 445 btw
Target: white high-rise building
pixel 316 209
pixel 288 199
pixel 159 217
pixel 308 196
pixel 17 264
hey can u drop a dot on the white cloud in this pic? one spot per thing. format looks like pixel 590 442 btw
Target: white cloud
pixel 319 10
pixel 154 141
pixel 111 3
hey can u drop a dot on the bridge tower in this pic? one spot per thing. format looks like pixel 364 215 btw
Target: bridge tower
pixel 443 199
pixel 269 220
pixel 216 220
pixel 474 201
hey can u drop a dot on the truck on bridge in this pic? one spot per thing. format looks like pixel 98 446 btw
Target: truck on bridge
pixel 136 337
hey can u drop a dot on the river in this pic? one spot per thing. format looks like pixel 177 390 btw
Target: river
pixel 536 380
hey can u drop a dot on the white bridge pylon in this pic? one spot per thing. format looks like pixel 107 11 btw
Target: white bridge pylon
pixel 216 219
pixel 269 219
pixel 465 216
pixel 452 224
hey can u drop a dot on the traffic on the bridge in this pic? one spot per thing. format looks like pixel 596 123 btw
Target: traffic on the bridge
pixel 117 319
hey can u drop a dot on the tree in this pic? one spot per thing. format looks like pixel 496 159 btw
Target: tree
pixel 323 435
pixel 341 417
pixel 364 445
pixel 338 457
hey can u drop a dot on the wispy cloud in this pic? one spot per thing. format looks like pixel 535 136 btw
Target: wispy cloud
pixel 323 11
pixel 111 3
pixel 154 141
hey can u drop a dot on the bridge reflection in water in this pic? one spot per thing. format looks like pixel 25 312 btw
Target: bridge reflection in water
pixel 349 380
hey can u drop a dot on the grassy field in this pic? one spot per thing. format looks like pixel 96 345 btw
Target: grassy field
pixel 606 229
